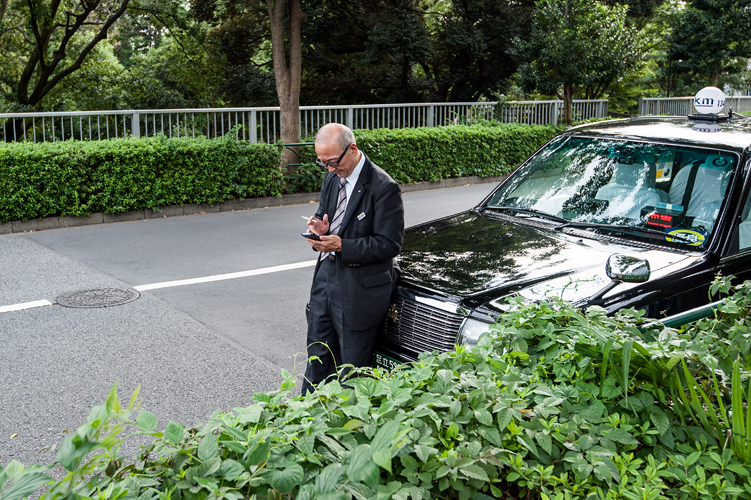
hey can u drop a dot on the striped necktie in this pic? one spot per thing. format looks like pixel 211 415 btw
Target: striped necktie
pixel 341 205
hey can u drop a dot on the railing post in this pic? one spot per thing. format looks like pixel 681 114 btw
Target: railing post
pixel 135 125
pixel 554 113
pixel 253 127
pixel 640 106
pixel 431 111
pixel 350 117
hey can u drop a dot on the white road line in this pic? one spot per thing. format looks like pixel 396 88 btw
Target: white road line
pixel 228 276
pixel 168 284
pixel 25 305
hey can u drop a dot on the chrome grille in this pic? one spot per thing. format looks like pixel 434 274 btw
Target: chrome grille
pixel 417 327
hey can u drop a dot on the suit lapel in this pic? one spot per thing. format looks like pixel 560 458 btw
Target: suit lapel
pixel 357 193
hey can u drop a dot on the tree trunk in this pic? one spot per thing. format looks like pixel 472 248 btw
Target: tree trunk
pixel 568 102
pixel 287 73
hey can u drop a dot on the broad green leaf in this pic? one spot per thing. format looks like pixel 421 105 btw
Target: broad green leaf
pixel 287 479
pixel 113 402
pixel 484 417
pixel 491 434
pixel 545 442
pixel 73 449
pixel 622 436
pixel 361 466
pixel 235 446
pixel 209 484
pixel 25 484
pixel 13 470
pixel 251 414
pixel 659 419
pixel 209 466
pixel 146 420
pixel 382 443
pixel 259 454
pixel 474 471
pixel 97 415
pixel 610 389
pixel 173 433
pixel 504 418
pixel 328 479
pixel 585 442
pixel 208 448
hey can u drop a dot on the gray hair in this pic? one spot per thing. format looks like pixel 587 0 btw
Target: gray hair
pixel 335 131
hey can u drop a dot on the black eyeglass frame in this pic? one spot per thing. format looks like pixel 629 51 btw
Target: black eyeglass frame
pixel 333 164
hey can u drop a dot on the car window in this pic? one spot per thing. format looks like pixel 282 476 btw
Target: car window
pixel 663 187
pixel 742 229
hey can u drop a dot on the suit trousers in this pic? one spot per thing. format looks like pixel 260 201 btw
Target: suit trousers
pixel 330 338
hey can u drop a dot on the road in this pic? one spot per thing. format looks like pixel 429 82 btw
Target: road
pixel 191 347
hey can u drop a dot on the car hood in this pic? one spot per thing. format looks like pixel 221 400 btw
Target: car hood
pixel 475 259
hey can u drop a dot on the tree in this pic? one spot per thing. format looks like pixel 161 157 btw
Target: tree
pixel 376 51
pixel 287 68
pixel 474 48
pixel 710 41
pixel 579 46
pixel 50 39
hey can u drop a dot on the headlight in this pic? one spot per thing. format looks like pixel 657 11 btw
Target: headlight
pixel 471 331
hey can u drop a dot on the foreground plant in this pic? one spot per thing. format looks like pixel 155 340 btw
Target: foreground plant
pixel 552 404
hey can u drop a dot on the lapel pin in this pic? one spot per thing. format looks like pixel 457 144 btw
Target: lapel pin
pixel 361 216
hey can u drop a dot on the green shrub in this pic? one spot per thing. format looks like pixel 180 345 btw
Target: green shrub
pixel 118 175
pixel 433 154
pixel 553 404
pixel 436 153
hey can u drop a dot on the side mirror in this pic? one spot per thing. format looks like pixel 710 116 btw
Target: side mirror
pixel 621 269
pixel 627 269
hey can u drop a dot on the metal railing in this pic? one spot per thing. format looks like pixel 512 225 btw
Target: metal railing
pixel 263 124
pixel 551 112
pixel 683 106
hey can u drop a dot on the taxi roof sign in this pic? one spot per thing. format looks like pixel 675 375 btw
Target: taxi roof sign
pixel 709 100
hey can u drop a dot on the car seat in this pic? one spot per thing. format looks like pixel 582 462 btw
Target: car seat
pixel 709 185
pixel 631 188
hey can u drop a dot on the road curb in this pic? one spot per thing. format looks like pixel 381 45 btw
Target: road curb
pixel 56 222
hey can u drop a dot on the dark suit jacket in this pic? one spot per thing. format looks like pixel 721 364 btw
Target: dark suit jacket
pixel 372 233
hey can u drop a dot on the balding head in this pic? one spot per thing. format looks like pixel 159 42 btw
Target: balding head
pixel 336 133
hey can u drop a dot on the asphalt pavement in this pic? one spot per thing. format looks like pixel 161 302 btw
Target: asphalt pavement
pixel 193 347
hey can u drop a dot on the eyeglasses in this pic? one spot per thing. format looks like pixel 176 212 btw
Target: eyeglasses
pixel 333 164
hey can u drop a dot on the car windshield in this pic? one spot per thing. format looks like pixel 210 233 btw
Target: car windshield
pixel 677 190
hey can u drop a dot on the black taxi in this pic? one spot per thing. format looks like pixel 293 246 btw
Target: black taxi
pixel 640 212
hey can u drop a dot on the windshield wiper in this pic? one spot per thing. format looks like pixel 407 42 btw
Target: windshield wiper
pixel 635 231
pixel 528 211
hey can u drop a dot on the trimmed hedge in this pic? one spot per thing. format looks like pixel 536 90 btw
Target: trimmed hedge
pixel 436 153
pixel 118 175
pixel 432 154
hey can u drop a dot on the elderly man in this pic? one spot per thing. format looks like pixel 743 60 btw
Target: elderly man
pixel 360 222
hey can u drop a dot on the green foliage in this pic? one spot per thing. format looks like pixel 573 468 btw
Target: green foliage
pixel 579 46
pixel 710 41
pixel 432 154
pixel 552 404
pixel 83 177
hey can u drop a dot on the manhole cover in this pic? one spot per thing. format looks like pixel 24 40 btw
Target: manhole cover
pixel 100 297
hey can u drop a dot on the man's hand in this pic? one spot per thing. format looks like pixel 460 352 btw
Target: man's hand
pixel 330 243
pixel 320 227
